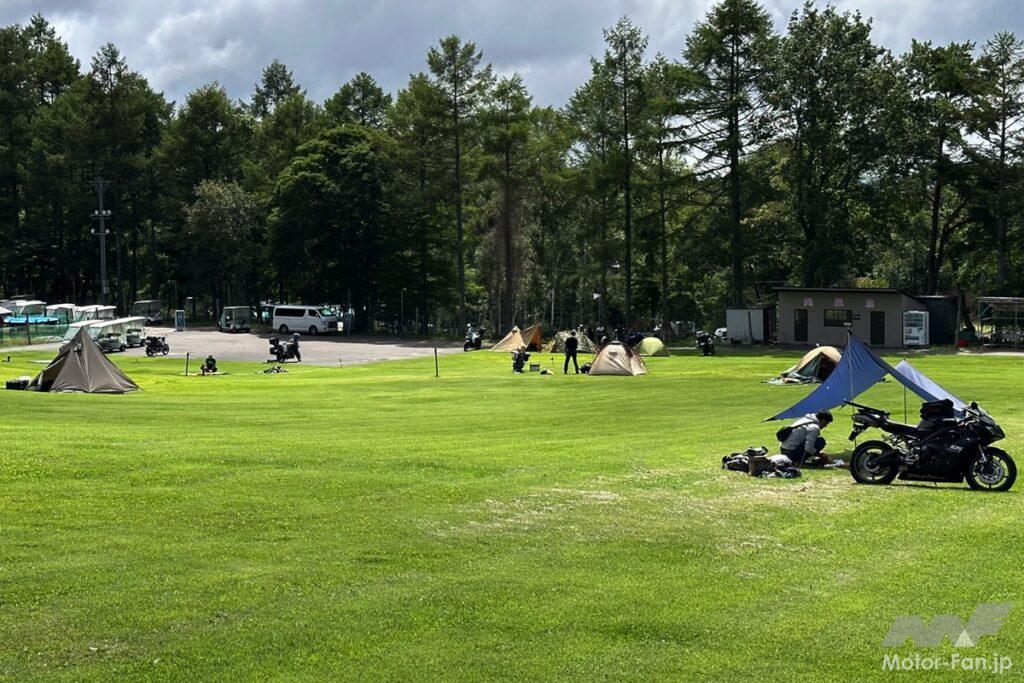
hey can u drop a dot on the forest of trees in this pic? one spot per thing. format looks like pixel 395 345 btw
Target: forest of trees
pixel 667 188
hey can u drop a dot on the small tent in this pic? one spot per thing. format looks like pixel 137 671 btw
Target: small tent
pixel 859 370
pixel 557 344
pixel 81 366
pixel 816 366
pixel 651 346
pixel 617 359
pixel 531 337
pixel 510 342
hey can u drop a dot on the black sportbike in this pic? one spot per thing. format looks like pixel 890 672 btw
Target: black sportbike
pixel 943 447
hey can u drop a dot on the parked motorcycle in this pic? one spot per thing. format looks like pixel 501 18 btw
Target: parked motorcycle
pixel 286 351
pixel 706 343
pixel 943 447
pixel 474 339
pixel 157 345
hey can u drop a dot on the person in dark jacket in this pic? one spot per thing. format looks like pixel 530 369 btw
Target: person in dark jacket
pixel 571 346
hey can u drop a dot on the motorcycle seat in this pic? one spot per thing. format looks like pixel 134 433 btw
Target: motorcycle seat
pixel 901 428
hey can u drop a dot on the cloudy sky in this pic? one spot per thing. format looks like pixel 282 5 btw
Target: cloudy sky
pixel 180 44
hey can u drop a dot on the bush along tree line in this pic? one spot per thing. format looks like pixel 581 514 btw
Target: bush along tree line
pixel 667 188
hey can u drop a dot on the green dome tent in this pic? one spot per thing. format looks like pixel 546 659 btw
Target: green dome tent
pixel 651 346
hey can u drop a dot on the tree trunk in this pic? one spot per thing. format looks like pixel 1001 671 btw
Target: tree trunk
pixel 932 284
pixel 665 324
pixel 627 173
pixel 460 256
pixel 735 214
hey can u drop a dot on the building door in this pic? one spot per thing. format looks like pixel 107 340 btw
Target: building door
pixel 878 328
pixel 800 325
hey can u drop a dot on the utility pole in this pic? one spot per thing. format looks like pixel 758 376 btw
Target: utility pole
pixel 102 215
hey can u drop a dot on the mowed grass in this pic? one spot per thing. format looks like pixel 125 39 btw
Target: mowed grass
pixel 378 522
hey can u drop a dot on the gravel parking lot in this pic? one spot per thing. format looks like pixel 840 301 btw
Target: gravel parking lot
pixel 320 350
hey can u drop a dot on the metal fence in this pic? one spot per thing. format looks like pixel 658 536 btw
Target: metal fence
pixel 23 335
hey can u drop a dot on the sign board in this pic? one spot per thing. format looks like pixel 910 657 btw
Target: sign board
pixel 179 320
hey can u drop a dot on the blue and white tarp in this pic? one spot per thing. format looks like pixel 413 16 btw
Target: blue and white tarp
pixel 857 371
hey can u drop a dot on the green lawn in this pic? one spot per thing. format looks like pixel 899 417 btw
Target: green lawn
pixel 377 522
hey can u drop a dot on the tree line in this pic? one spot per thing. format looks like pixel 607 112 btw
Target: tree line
pixel 666 189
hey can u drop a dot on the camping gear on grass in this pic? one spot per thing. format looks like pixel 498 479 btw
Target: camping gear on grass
pixel 617 359
pixel 756 462
pixel 81 366
pixel 941 448
pixel 651 346
pixel 19 383
pixel 557 343
pixel 519 358
pixel 816 366
pixel 858 370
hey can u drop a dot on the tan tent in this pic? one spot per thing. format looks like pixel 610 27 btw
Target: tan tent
pixel 651 346
pixel 816 365
pixel 510 342
pixel 617 359
pixel 81 366
pixel 557 344
pixel 531 337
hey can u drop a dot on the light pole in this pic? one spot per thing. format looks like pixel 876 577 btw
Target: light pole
pixel 102 215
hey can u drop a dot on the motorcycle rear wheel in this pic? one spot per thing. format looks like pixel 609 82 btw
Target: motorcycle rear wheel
pixel 864 468
pixel 998 474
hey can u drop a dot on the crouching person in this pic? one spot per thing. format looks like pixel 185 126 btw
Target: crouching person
pixel 802 440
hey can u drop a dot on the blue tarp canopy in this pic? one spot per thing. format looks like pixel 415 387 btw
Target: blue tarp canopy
pixel 857 371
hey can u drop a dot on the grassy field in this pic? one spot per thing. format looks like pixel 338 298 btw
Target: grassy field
pixel 374 521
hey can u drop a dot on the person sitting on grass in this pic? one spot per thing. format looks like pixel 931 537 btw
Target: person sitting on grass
pixel 804 439
pixel 209 367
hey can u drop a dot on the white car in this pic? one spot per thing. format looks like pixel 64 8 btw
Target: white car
pixel 303 319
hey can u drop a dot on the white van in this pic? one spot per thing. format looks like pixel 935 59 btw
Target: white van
pixel 303 319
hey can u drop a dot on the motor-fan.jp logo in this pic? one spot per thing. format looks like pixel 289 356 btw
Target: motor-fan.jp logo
pixel 986 621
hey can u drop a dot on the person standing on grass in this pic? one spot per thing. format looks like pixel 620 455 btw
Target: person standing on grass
pixel 571 346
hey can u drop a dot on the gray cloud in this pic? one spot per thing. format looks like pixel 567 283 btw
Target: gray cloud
pixel 181 44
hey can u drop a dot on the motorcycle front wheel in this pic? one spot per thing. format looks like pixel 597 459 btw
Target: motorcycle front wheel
pixel 165 350
pixel 998 473
pixel 468 346
pixel 865 466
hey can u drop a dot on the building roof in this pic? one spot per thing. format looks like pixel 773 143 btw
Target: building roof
pixel 868 290
pixel 857 290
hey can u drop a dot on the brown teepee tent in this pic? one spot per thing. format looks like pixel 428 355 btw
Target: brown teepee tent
pixel 81 366
pixel 618 359
pixel 510 342
pixel 531 337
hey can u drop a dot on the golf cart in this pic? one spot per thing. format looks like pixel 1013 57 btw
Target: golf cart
pixel 150 309
pixel 235 319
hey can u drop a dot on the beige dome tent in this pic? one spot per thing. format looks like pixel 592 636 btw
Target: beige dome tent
pixel 617 359
pixel 81 366
pixel 651 346
pixel 816 365
pixel 557 344
pixel 510 342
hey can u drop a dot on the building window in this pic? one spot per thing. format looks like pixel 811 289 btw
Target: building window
pixel 838 317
